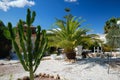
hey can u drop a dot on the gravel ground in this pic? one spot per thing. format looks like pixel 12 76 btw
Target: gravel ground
pixel 87 69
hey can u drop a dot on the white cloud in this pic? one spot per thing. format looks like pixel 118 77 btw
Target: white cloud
pixel 70 0
pixel 6 4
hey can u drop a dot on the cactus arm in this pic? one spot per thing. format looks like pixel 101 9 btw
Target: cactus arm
pixel 19 55
pixel 37 61
pixel 33 17
pixel 29 33
pixel 28 17
pixel 41 50
pixel 30 53
pixel 29 47
pixel 16 46
pixel 39 58
pixel 21 37
pixel 12 35
pixel 43 43
pixel 21 29
pixel 37 41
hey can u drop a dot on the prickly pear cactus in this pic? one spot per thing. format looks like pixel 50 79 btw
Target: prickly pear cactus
pixel 31 55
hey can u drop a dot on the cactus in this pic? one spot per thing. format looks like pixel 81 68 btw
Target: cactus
pixel 32 55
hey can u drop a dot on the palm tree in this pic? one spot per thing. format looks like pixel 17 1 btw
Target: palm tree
pixel 68 35
pixel 67 9
pixel 91 41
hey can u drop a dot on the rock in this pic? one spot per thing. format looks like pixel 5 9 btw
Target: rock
pixel 36 76
pixel 70 60
pixel 57 77
pixel 2 64
pixel 40 74
pixel 51 76
pixel 43 75
pixel 47 75
pixel 19 79
pixel 26 78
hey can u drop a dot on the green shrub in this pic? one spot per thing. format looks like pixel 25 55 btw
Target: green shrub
pixel 5 44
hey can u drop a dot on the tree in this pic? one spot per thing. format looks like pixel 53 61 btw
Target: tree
pixel 90 41
pixel 5 44
pixel 67 9
pixel 113 38
pixel 111 24
pixel 112 31
pixel 68 34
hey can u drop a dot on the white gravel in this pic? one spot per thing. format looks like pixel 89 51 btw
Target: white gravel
pixel 88 69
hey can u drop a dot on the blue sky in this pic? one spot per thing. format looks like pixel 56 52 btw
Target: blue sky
pixel 95 12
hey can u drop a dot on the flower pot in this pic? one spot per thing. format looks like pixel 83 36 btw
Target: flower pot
pixel 53 56
pixel 70 55
pixel 62 56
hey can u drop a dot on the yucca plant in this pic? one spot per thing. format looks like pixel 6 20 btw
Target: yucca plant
pixel 32 55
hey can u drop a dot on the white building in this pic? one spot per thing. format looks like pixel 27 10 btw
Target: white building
pixel 102 37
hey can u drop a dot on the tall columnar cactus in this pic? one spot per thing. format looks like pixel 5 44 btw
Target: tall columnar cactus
pixel 31 54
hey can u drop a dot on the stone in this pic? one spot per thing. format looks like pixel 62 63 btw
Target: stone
pixel 26 78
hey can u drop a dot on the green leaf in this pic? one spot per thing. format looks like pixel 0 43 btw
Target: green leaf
pixel 7 34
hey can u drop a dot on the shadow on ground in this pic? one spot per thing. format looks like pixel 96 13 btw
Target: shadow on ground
pixel 113 62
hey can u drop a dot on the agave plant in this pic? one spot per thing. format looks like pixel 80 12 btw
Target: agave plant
pixel 68 35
